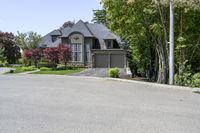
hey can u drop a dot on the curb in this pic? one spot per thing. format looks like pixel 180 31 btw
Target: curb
pixel 152 84
pixel 29 72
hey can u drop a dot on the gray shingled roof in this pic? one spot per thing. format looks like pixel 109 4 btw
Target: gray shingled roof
pixel 98 31
pixel 57 32
pixel 81 27
pixel 103 33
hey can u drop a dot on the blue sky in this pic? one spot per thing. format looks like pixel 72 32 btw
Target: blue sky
pixel 42 16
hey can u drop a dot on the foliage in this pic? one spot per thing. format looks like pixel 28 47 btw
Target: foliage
pixel 196 80
pixel 52 56
pixel 145 25
pixel 34 54
pixel 64 54
pixel 23 69
pixel 43 64
pixel 11 50
pixel 29 40
pixel 114 72
pixel 100 17
pixel 2 57
pixel 45 69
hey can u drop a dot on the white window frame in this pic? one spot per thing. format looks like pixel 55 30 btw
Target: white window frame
pixel 74 51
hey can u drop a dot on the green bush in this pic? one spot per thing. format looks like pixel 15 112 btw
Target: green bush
pixel 43 64
pixel 114 72
pixel 196 80
pixel 63 67
pixel 30 68
pixel 45 69
pixel 12 71
pixel 183 79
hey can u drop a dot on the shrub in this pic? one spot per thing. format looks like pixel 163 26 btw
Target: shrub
pixel 114 72
pixel 196 80
pixel 30 68
pixel 12 71
pixel 43 64
pixel 183 79
pixel 45 69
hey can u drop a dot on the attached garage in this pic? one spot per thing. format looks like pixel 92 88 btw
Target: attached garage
pixel 101 60
pixel 109 59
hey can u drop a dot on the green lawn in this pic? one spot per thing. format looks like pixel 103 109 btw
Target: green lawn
pixel 60 72
pixel 21 70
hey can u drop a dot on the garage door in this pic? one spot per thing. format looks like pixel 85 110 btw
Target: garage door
pixel 117 60
pixel 101 60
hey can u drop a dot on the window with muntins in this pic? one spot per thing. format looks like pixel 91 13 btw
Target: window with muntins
pixel 87 52
pixel 76 52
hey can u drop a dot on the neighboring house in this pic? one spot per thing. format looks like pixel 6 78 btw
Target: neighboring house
pixel 92 45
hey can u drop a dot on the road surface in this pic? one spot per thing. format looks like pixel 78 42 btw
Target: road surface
pixel 62 104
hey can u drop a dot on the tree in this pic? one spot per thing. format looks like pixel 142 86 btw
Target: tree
pixel 65 53
pixel 11 49
pixel 145 25
pixel 51 56
pixel 2 57
pixel 29 40
pixel 35 55
pixel 100 17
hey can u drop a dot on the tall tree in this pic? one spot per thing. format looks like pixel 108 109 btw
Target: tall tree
pixel 100 17
pixel 29 40
pixel 11 49
pixel 145 25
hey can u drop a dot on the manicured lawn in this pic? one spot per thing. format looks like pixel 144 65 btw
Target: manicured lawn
pixel 60 72
pixel 21 70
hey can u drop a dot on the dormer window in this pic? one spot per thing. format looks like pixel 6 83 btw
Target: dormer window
pixel 109 44
pixel 54 38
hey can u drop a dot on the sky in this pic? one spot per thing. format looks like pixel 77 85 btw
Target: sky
pixel 43 16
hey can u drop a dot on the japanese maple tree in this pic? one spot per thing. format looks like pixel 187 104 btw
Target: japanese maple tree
pixel 51 56
pixel 64 54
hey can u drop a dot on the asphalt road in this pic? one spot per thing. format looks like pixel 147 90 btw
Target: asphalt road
pixel 61 104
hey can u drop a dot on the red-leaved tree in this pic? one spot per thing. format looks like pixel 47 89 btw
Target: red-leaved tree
pixel 34 54
pixel 64 54
pixel 51 56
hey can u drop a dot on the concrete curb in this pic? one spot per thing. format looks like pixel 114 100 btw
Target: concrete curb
pixel 152 84
pixel 140 82
pixel 196 90
pixel 29 72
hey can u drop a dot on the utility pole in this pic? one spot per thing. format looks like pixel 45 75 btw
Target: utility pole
pixel 171 46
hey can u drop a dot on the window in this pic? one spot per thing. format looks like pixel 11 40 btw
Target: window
pixel 54 38
pixel 76 52
pixel 87 52
pixel 109 44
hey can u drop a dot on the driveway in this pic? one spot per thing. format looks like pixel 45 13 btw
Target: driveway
pixel 64 104
pixel 98 72
pixel 4 70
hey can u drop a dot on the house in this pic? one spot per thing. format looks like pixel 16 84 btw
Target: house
pixel 92 45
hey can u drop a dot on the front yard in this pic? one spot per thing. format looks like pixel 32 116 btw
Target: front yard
pixel 60 72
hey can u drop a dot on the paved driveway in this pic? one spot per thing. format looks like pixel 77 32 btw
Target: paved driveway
pixel 4 70
pixel 61 104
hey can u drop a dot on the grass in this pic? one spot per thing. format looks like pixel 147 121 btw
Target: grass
pixel 21 70
pixel 60 72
